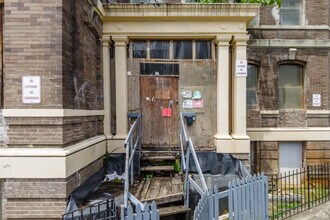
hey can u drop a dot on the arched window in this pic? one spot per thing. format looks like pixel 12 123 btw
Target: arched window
pixel 290 86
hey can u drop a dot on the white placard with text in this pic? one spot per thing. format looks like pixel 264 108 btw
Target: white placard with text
pixel 31 89
pixel 316 100
pixel 241 67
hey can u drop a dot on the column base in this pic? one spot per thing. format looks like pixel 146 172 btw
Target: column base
pixel 232 146
pixel 116 144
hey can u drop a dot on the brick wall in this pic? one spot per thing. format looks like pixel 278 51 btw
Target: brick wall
pixel 318 12
pixel 42 198
pixel 52 132
pixel 317 152
pixel 316 81
pixel 60 41
pixel 82 56
pixel 33 46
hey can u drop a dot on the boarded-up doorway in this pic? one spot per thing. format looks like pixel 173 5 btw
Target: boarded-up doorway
pixel 159 107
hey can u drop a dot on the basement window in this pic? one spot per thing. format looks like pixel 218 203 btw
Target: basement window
pixel 182 49
pixel 139 49
pixel 160 49
pixel 290 87
pixel 290 13
pixel 251 86
pixel 203 50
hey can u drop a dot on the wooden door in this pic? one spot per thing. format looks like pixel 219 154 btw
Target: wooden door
pixel 159 104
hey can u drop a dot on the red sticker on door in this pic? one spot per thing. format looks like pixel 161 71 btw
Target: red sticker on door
pixel 166 112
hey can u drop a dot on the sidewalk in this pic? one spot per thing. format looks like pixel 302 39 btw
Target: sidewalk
pixel 316 213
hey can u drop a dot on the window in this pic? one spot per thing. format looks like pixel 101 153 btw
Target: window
pixel 251 86
pixel 139 49
pixel 291 12
pixel 290 156
pixel 203 49
pixel 290 87
pixel 160 49
pixel 182 49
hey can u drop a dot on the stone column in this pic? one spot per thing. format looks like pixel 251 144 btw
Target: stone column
pixel 239 99
pixel 222 137
pixel 121 86
pixel 106 87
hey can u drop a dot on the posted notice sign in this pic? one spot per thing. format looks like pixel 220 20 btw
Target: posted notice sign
pixel 241 67
pixel 31 89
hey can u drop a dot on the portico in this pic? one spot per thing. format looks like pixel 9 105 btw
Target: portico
pixel 222 24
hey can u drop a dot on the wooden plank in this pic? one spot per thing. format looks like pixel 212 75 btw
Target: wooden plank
pixel 144 192
pixel 158 158
pixel 165 187
pixel 154 188
pixel 176 183
pixel 157 168
pixel 164 199
pixel 173 210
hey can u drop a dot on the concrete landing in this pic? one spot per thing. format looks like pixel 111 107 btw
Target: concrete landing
pixel 321 212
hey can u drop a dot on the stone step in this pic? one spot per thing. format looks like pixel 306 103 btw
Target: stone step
pixel 158 158
pixel 173 210
pixel 148 153
pixel 157 168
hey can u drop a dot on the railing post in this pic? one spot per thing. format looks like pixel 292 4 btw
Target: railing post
pixel 186 183
pixel 140 142
pixel 308 188
pixel 132 164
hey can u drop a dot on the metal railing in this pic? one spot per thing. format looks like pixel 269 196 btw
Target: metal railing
pixel 105 210
pixel 299 190
pixel 186 142
pixel 133 147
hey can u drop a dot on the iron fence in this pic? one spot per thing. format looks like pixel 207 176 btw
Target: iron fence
pixel 298 190
pixel 105 210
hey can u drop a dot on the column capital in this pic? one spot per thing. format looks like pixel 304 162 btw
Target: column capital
pixel 106 40
pixel 223 40
pixel 120 40
pixel 241 40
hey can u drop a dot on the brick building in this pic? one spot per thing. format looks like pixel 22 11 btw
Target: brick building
pixel 89 61
pixel 288 88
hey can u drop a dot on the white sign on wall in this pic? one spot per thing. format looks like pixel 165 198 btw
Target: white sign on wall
pixel 241 67
pixel 31 89
pixel 316 100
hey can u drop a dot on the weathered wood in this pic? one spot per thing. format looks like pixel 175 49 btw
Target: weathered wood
pixel 157 168
pixel 173 210
pixel 158 158
pixel 157 129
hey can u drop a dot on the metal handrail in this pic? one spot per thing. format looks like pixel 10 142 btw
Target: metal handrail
pixel 184 138
pixel 133 146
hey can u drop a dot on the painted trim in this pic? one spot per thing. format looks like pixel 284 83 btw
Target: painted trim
pixel 290 27
pixel 50 113
pixel 50 163
pixel 269 112
pixel 287 43
pixel 318 112
pixel 289 134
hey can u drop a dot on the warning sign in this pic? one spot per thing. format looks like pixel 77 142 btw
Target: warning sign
pixel 241 67
pixel 31 89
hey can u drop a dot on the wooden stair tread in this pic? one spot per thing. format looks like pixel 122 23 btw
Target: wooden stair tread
pixel 159 153
pixel 158 158
pixel 164 199
pixel 172 210
pixel 157 168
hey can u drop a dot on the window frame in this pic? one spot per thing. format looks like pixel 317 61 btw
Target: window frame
pixel 301 14
pixel 302 77
pixel 256 105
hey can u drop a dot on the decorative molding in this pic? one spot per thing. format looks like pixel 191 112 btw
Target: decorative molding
pixel 50 162
pixel 289 134
pixel 50 113
pixel 318 112
pixel 287 43
pixel 269 112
